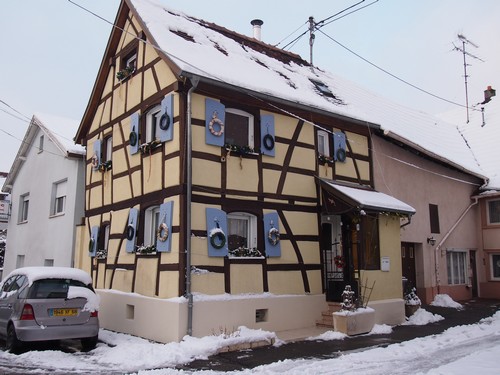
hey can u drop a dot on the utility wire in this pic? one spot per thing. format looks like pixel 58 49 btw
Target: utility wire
pixel 15 110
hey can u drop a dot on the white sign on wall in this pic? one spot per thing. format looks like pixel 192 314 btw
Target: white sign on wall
pixel 385 264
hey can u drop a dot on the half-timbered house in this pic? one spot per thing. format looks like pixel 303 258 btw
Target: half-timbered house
pixel 228 183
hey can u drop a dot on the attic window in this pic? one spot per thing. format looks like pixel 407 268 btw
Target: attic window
pixel 184 35
pixel 322 88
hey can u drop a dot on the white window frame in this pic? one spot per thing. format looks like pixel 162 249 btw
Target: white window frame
pixel 24 201
pixel 131 61
pixel 151 224
pixel 153 128
pixel 59 194
pixel 251 227
pixel 493 266
pixel 251 123
pixel 326 143
pixel 451 263
pixel 488 212
pixel 109 148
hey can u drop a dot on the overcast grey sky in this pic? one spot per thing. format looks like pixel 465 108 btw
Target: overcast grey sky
pixel 52 49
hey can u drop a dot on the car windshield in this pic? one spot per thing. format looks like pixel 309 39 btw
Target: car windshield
pixel 52 288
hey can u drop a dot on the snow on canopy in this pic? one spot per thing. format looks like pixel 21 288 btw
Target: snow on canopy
pixel 225 57
pixel 38 273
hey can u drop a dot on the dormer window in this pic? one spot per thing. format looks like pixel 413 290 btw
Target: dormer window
pixel 128 66
pixel 322 88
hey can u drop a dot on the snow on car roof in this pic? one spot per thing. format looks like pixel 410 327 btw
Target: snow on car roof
pixel 37 273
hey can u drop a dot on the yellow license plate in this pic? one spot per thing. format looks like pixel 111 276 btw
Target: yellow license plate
pixel 63 312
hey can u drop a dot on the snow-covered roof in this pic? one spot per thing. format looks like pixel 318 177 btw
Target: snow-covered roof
pixel 220 56
pixel 58 129
pixel 38 273
pixel 368 199
pixel 483 137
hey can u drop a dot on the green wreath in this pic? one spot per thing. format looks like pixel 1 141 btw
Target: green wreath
pixel 268 142
pixel 218 240
pixel 164 122
pixel 133 139
pixel 341 155
pixel 91 245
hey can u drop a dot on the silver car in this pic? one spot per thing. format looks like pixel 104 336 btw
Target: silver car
pixel 48 303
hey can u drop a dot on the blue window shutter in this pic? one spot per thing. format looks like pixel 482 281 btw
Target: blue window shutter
pixel 131 230
pixel 339 147
pixel 215 114
pixel 217 219
pixel 267 139
pixel 167 119
pixel 272 223
pixel 94 235
pixel 96 156
pixel 166 210
pixel 134 133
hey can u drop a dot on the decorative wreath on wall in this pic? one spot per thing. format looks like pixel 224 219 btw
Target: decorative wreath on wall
pixel 218 121
pixel 339 261
pixel 133 138
pixel 273 236
pixel 130 232
pixel 91 245
pixel 217 238
pixel 164 122
pixel 163 228
pixel 341 155
pixel 268 141
pixel 95 161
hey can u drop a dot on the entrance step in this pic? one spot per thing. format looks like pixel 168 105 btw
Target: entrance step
pixel 326 316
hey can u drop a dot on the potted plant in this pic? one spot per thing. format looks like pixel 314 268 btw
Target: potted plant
pixel 351 319
pixel 412 302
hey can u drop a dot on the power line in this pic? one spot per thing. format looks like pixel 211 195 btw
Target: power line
pixel 15 110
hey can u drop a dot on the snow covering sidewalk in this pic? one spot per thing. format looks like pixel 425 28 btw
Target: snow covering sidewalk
pixel 458 350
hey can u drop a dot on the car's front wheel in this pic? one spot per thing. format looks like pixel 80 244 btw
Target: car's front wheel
pixel 89 343
pixel 12 343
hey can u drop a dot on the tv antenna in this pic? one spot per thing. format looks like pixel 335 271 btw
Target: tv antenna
pixel 462 49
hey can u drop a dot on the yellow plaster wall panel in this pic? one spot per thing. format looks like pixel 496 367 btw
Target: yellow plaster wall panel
pixel 302 223
pixel 137 180
pixel 198 216
pixel 198 108
pixel 152 172
pixel 285 282
pixel 119 96
pixel 345 169
pixel 149 84
pixel 315 283
pixel 271 179
pixel 96 197
pixel 101 271
pixel 285 126
pixel 120 158
pixel 303 186
pixel 107 187
pixel 106 114
pixel 129 35
pixel 172 172
pixel 121 188
pixel 208 283
pixel 358 143
pixel 169 284
pixel 242 174
pixel 108 87
pixel 122 280
pixel 325 171
pixel 288 254
pixel 364 169
pixel 199 144
pixel 145 277
pixel 206 173
pixel 134 91
pixel 165 75
pixel 280 153
pixel 113 245
pixel 96 121
pixel 303 158
pixel 246 278
pixel 150 53
pixel 310 252
pixel 307 134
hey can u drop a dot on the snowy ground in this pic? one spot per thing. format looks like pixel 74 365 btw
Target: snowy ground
pixel 459 350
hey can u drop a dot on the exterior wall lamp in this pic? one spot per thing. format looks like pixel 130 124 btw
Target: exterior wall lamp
pixel 431 240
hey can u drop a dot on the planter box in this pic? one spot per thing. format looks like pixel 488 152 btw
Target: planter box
pixel 354 322
pixel 411 309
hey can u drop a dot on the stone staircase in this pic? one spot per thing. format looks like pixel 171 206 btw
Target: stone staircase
pixel 326 316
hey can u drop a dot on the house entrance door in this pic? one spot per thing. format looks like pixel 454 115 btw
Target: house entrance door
pixel 408 264
pixel 473 277
pixel 336 257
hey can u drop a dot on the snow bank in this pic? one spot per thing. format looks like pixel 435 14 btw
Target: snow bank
pixel 444 300
pixel 422 317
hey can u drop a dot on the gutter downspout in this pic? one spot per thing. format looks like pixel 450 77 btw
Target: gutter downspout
pixel 440 244
pixel 407 223
pixel 189 186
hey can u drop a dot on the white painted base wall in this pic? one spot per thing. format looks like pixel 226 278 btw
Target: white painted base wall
pixel 165 320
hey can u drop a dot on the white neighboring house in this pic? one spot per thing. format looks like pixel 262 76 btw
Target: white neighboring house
pixel 46 185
